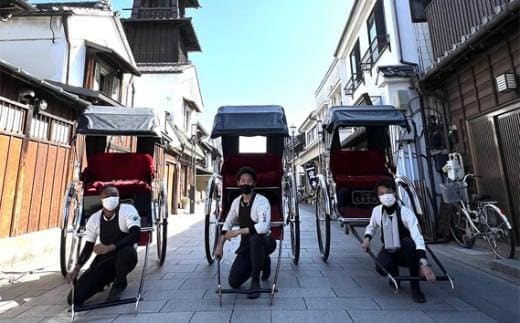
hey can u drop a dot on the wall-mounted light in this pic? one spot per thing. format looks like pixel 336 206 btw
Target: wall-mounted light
pixel 506 82
pixel 40 105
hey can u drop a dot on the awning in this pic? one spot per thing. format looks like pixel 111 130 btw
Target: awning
pixel 113 57
pixel 118 121
pixel 368 115
pixel 253 120
pixel 95 96
pixel 192 104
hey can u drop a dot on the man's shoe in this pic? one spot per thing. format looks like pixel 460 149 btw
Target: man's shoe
pixel 418 295
pixel 266 268
pixel 255 285
pixel 115 292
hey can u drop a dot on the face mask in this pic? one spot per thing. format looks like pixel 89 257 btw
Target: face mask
pixel 246 189
pixel 387 199
pixel 110 203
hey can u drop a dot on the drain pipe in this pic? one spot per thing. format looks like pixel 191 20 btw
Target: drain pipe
pixel 65 22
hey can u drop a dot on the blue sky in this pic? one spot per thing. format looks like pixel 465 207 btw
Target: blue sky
pixel 263 51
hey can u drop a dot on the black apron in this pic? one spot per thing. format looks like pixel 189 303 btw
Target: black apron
pixel 245 221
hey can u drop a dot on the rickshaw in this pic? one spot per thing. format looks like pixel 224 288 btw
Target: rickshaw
pixel 103 140
pixel 274 181
pixel 357 154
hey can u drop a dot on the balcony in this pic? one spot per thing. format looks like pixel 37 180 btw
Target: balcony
pixel 374 51
pixel 353 83
pixel 451 21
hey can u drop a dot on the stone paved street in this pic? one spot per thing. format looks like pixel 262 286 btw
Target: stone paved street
pixel 343 290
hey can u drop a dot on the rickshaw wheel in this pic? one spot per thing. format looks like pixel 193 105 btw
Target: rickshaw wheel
pixel 295 239
pixel 161 226
pixel 70 243
pixel 322 225
pixel 211 225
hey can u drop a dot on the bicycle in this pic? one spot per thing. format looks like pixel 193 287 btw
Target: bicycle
pixel 487 221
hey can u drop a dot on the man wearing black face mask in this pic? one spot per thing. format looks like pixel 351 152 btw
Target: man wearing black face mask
pixel 403 243
pixel 252 211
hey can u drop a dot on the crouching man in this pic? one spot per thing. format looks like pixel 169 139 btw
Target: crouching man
pixel 252 211
pixel 403 244
pixel 118 227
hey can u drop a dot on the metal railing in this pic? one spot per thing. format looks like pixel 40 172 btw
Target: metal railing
pixel 374 51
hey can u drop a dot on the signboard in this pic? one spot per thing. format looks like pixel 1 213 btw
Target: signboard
pixel 311 176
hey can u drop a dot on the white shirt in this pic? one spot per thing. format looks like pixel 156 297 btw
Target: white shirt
pixel 409 221
pixel 260 214
pixel 128 217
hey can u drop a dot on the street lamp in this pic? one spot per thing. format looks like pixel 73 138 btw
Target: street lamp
pixel 194 138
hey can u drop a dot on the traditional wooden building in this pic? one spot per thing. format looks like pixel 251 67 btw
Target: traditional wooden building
pixel 161 37
pixel 36 126
pixel 474 82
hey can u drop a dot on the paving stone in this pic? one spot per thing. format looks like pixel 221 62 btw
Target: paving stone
pixel 194 305
pixel 212 316
pixel 263 303
pixel 153 295
pixel 389 316
pixel 240 316
pixel 322 303
pixel 45 311
pixel 144 307
pixel 459 317
pixel 82 319
pixel 309 316
pixel 173 317
pixel 163 284
pixel 305 292
pixel 200 283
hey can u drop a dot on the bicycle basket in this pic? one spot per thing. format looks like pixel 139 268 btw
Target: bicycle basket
pixel 454 192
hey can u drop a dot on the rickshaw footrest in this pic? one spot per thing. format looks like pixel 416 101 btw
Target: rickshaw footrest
pixel 414 278
pixel 246 291
pixel 88 307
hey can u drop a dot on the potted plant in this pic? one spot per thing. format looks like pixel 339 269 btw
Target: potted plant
pixel 185 201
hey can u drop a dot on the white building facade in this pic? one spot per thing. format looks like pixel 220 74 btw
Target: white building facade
pixel 74 45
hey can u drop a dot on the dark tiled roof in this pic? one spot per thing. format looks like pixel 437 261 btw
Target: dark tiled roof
pixel 397 70
pixel 189 3
pixel 103 4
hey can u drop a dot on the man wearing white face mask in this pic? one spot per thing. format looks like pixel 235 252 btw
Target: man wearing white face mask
pixel 403 243
pixel 118 227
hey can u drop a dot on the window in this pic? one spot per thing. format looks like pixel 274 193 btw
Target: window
pixel 12 118
pixel 312 135
pixel 187 118
pixel 355 65
pixel 156 3
pixel 60 132
pixel 40 127
pixel 252 144
pixel 107 81
pixel 377 38
pixel 418 10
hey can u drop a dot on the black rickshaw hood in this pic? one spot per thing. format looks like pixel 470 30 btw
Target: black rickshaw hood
pixel 250 120
pixel 122 121
pixel 364 116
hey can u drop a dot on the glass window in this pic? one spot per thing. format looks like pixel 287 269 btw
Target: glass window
pixel 355 64
pixel 256 144
pixel 418 10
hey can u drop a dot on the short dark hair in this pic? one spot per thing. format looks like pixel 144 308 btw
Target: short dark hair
pixel 388 183
pixel 246 170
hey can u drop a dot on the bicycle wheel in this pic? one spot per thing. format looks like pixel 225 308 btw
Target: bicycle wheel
pixel 322 224
pixel 499 235
pixel 70 239
pixel 161 228
pixel 460 229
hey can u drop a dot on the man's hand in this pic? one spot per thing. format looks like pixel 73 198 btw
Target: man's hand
pixel 72 275
pixel 102 249
pixel 231 234
pixel 219 252
pixel 426 271
pixel 366 244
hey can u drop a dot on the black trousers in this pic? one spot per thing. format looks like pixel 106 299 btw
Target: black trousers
pixel 105 269
pixel 250 258
pixel 407 256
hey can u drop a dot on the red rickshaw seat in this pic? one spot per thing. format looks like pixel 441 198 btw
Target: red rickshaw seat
pixel 268 168
pixel 358 169
pixel 131 173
